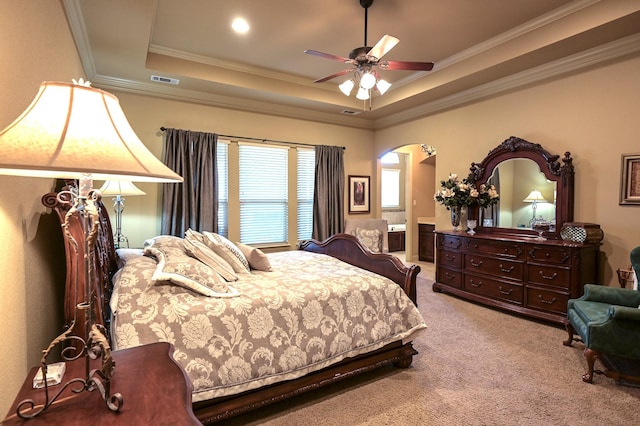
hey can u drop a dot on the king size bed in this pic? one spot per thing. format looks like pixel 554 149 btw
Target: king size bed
pixel 256 328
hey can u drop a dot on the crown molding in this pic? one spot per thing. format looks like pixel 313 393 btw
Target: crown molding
pixel 576 62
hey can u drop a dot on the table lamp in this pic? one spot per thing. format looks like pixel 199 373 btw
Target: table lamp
pixel 74 131
pixel 119 189
pixel 534 198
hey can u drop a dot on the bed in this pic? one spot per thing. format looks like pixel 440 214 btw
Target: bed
pixel 323 313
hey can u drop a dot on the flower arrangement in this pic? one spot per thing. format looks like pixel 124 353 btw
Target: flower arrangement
pixel 456 193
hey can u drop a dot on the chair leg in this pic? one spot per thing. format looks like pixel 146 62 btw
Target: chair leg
pixel 569 327
pixel 590 356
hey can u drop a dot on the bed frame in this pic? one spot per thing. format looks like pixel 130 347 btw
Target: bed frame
pixel 342 246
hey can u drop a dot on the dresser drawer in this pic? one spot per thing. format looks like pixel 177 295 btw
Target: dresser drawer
pixel 449 241
pixel 449 277
pixel 450 259
pixel 505 268
pixel 560 255
pixel 494 289
pixel 549 275
pixel 547 300
pixel 513 250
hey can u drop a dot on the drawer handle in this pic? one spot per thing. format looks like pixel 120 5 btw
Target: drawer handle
pixel 505 292
pixel 507 270
pixel 548 302
pixel 475 264
pixel 449 276
pixel 473 283
pixel 546 277
pixel 449 258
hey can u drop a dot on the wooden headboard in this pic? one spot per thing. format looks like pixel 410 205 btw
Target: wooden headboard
pixel 104 260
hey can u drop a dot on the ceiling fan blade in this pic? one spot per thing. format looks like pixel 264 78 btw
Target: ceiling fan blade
pixel 385 44
pixel 327 56
pixel 332 76
pixel 404 65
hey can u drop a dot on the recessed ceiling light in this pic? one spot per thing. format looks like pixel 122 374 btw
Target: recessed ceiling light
pixel 240 25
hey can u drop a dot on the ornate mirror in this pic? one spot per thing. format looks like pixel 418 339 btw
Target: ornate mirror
pixel 532 184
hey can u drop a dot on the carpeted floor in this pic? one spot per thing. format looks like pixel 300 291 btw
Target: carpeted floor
pixel 476 366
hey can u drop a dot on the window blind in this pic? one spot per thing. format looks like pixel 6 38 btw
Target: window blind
pixel 222 163
pixel 263 194
pixel 390 188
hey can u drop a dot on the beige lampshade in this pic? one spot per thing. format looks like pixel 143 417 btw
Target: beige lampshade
pixel 71 130
pixel 120 187
pixel 536 196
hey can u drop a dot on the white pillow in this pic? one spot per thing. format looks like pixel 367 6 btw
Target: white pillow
pixel 204 254
pixel 227 250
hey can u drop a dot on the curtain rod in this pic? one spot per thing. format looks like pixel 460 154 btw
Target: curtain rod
pixel 261 140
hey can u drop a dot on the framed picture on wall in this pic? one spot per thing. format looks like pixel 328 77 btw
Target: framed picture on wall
pixel 630 179
pixel 359 192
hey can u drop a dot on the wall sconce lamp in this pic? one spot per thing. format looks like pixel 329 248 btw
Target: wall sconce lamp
pixel 119 189
pixel 534 198
pixel 74 131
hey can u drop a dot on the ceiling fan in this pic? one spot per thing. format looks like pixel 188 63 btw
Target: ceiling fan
pixel 367 61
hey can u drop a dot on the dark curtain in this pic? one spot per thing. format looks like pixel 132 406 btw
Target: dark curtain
pixel 194 203
pixel 328 194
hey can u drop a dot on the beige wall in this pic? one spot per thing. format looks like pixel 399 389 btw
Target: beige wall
pixel 35 45
pixel 592 114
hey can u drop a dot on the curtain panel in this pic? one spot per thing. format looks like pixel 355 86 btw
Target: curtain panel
pixel 328 197
pixel 194 203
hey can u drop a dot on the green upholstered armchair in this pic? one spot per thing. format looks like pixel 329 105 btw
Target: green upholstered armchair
pixel 607 319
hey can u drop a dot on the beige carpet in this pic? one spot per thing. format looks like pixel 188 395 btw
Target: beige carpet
pixel 476 366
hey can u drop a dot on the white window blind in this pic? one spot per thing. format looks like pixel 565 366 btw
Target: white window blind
pixel 263 194
pixel 222 162
pixel 306 177
pixel 390 188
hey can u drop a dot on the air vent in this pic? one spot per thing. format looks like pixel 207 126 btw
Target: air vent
pixel 165 80
pixel 350 112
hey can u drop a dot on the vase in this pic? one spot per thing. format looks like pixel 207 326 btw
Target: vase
pixel 456 213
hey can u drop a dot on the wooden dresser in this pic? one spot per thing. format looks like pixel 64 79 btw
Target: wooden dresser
pixel 514 273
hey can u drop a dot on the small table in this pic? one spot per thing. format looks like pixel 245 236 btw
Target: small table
pixel 155 390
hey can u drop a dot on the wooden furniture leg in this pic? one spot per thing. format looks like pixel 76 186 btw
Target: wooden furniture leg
pixel 590 356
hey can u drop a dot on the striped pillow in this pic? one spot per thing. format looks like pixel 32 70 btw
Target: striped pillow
pixel 227 250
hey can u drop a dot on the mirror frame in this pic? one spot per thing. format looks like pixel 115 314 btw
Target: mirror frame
pixel 560 173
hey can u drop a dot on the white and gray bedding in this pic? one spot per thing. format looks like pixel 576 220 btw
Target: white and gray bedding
pixel 308 312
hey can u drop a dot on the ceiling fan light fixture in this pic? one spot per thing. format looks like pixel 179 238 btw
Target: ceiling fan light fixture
pixel 368 80
pixel 347 87
pixel 363 94
pixel 383 86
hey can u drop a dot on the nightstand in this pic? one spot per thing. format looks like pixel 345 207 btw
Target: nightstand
pixel 155 389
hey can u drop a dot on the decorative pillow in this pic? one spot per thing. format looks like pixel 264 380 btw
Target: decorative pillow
pixel 256 257
pixel 227 250
pixel 176 266
pixel 370 238
pixel 204 254
pixel 164 241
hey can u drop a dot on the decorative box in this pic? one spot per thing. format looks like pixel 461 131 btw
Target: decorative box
pixel 582 232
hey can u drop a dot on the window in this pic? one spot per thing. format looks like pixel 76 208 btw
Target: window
pixel 390 188
pixel 306 177
pixel 263 194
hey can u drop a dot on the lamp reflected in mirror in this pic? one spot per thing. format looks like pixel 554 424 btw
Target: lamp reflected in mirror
pixel 534 198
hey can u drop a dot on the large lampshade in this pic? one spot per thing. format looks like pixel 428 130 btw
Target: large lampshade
pixel 535 196
pixel 72 129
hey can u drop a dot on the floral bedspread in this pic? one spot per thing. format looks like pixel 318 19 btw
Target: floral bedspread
pixel 311 311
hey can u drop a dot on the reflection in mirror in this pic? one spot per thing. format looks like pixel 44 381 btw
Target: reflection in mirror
pixel 517 168
pixel 515 180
